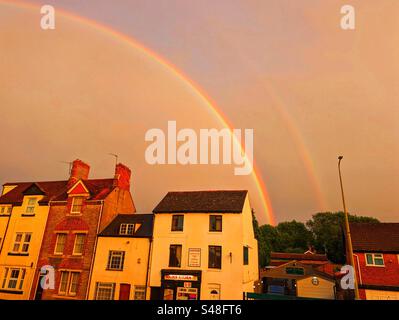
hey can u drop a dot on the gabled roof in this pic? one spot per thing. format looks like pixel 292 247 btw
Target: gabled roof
pixel 56 190
pixel 375 237
pixel 223 201
pixel 145 230
pixel 298 256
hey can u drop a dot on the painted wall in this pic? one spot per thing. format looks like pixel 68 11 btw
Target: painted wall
pixel 18 223
pixel 324 290
pixel 234 278
pixel 135 264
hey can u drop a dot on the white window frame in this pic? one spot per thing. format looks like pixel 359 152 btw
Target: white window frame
pixel 69 283
pixel 19 281
pixel 77 235
pixel 73 204
pixel 113 253
pixel 139 290
pixel 22 242
pixel 373 256
pixel 30 208
pixel 124 229
pixel 57 242
pixel 106 286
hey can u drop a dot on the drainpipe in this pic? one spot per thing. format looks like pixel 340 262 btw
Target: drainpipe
pixel 94 251
pixel 149 258
pixel 358 268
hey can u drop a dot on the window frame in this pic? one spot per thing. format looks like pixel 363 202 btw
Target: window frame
pixel 19 280
pixel 56 243
pixel 245 255
pixel 139 290
pixel 21 243
pixel 30 206
pixel 175 226
pixel 73 205
pixel 77 235
pixel 214 255
pixel 179 261
pixel 69 282
pixel 111 255
pixel 125 227
pixel 373 258
pixel 216 217
pixel 103 284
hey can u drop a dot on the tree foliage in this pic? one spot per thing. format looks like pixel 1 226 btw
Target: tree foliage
pixel 323 232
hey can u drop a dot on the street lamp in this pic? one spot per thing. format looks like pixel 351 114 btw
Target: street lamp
pixel 347 229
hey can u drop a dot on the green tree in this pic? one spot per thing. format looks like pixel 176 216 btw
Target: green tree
pixel 327 228
pixel 294 237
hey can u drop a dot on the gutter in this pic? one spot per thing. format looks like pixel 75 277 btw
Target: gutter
pixel 149 258
pixel 6 231
pixel 94 252
pixel 358 267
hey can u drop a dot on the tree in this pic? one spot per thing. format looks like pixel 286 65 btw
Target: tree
pixel 294 237
pixel 327 228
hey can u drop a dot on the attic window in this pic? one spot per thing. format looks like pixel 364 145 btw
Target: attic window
pixel 77 204
pixel 30 208
pixel 127 228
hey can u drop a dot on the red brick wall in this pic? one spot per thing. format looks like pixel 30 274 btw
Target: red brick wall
pixel 384 276
pixel 59 219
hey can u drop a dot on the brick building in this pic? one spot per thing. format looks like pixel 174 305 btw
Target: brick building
pixel 76 215
pixel 376 255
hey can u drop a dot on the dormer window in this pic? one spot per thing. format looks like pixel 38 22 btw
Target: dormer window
pixel 30 208
pixel 127 228
pixel 77 204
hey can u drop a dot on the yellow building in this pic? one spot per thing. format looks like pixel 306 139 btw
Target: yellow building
pixel 22 225
pixel 203 246
pixel 120 270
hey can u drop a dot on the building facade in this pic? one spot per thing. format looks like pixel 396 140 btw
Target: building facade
pixel 120 270
pixel 376 256
pixel 24 209
pixel 203 246
pixel 77 214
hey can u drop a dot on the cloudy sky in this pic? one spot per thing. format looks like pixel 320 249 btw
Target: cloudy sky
pixel 310 90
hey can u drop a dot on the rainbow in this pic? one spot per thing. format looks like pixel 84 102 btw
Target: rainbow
pixel 216 111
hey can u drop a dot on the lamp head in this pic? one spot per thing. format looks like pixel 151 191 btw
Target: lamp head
pixel 340 157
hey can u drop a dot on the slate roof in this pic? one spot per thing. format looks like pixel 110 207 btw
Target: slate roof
pixel 56 190
pixel 221 201
pixel 375 237
pixel 145 231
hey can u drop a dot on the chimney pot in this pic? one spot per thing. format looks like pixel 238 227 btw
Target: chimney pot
pixel 80 171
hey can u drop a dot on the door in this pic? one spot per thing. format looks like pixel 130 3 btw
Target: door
pixel 39 289
pixel 124 291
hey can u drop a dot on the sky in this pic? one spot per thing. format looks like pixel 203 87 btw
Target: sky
pixel 310 90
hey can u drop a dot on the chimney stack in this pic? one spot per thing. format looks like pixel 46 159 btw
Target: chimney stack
pixel 122 177
pixel 79 171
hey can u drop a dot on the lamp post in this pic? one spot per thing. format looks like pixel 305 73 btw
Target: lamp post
pixel 347 229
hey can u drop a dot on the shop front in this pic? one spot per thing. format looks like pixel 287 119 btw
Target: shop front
pixel 180 284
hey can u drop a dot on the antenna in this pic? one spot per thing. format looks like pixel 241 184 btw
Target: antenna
pixel 116 157
pixel 70 165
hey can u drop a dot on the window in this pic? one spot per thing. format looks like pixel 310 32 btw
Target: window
pixel 246 255
pixel 77 204
pixel 126 228
pixel 139 293
pixel 30 208
pixel 374 259
pixel 177 222
pixel 175 255
pixel 21 243
pixel 115 260
pixel 79 244
pixel 60 243
pixel 5 210
pixel 69 283
pixel 215 257
pixel 13 279
pixel 215 223
pixel 104 291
